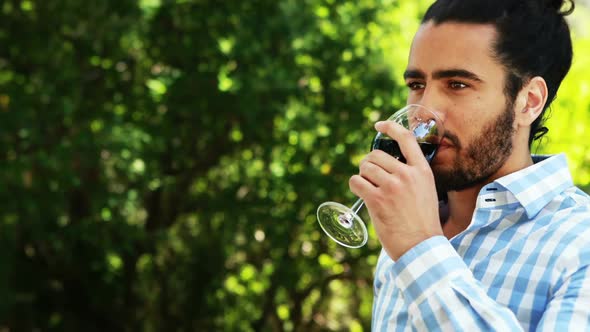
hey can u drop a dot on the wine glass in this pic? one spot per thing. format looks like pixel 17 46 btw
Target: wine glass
pixel 343 224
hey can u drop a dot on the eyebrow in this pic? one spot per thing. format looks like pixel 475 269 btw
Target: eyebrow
pixel 446 73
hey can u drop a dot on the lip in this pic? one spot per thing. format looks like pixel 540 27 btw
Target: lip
pixel 444 144
pixel 441 151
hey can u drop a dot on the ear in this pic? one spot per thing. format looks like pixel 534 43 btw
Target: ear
pixel 530 101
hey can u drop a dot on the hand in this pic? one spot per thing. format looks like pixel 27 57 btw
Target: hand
pixel 401 198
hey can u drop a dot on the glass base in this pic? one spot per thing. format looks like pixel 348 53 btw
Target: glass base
pixel 342 225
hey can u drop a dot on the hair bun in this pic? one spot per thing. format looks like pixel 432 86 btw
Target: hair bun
pixel 562 7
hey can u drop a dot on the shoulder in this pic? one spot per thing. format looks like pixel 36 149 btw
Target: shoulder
pixel 569 228
pixel 579 198
pixel 571 207
pixel 565 221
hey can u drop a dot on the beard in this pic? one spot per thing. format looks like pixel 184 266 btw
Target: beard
pixel 482 157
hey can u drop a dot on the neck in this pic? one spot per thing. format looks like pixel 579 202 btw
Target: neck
pixel 461 204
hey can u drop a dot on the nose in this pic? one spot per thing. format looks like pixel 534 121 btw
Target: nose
pixel 433 101
pixel 437 111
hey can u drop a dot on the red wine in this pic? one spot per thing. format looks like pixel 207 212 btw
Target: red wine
pixel 391 147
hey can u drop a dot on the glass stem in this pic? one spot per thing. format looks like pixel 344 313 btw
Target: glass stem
pixel 357 206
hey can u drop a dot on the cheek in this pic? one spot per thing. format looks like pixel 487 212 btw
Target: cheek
pixel 467 128
pixel 462 124
pixel 471 114
pixel 412 98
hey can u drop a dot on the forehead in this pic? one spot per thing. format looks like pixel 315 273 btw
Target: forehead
pixel 454 45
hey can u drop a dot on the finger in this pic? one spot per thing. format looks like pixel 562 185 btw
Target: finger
pixel 361 186
pixel 384 160
pixel 373 173
pixel 406 140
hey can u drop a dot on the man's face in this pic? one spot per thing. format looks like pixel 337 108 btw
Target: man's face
pixel 451 69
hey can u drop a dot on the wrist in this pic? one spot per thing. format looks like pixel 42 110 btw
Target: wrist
pixel 396 248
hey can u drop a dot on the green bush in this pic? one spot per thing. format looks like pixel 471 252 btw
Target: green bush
pixel 162 160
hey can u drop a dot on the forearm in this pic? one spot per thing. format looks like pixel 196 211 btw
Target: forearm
pixel 442 293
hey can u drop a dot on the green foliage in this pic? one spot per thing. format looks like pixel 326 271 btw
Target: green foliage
pixel 569 119
pixel 163 160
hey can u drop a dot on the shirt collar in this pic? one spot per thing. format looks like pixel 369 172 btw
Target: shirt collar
pixel 535 186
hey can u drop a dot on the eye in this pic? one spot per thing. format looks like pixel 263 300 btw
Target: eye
pixel 455 85
pixel 415 85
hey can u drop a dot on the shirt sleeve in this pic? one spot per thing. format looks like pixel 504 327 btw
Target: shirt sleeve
pixel 569 306
pixel 442 293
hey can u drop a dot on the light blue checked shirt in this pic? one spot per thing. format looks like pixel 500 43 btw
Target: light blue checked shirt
pixel 522 264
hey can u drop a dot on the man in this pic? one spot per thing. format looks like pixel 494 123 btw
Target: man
pixel 513 253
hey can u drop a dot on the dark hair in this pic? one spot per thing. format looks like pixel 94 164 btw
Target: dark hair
pixel 533 40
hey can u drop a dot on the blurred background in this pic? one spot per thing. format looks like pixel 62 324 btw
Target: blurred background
pixel 162 161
